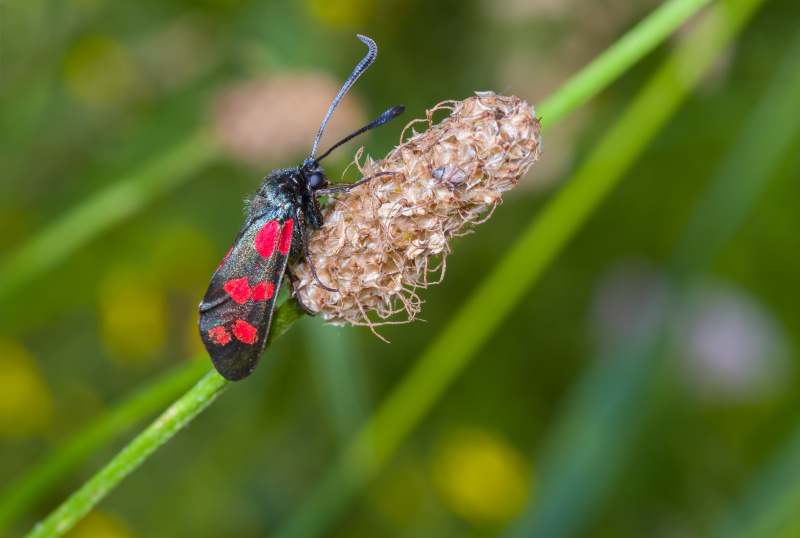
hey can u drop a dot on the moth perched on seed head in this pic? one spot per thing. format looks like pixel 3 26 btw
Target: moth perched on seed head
pixel 236 311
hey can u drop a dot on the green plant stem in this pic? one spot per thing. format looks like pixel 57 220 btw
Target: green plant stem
pixel 112 205
pixel 772 127
pixel 471 327
pixel 618 58
pixel 21 494
pixel 132 456
pixel 590 445
pixel 178 415
pixel 768 507
pixel 340 378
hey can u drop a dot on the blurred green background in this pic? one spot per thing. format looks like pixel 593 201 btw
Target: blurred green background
pixel 647 385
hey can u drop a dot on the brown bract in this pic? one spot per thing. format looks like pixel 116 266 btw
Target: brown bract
pixel 380 240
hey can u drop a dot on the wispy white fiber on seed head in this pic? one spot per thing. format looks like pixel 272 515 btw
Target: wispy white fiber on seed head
pixel 380 241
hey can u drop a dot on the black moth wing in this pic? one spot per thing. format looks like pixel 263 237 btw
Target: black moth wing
pixel 237 309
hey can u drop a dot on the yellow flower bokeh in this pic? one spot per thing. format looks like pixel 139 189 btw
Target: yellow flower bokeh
pixel 98 71
pixel 133 315
pixel 342 13
pixel 99 524
pixel 481 476
pixel 25 405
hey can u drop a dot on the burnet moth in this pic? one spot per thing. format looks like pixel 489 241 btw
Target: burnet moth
pixel 237 308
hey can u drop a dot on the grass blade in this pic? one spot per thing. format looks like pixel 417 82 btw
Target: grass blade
pixel 120 201
pixel 178 415
pixel 590 444
pixel 23 493
pixel 619 57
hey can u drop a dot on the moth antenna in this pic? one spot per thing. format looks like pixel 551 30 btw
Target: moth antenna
pixel 357 72
pixel 390 114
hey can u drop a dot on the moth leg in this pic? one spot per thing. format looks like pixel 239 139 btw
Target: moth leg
pixel 292 278
pixel 304 239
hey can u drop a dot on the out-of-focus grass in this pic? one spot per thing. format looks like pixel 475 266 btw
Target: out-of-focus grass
pixel 176 416
pixel 769 506
pixel 762 147
pixel 618 58
pixel 19 495
pixel 114 204
pixel 592 442
pixel 132 456
pixel 340 377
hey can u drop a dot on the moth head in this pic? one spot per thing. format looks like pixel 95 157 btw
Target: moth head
pixel 314 175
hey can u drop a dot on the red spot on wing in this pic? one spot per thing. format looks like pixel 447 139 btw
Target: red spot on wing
pixel 285 242
pixel 244 331
pixel 238 289
pixel 264 290
pixel 219 335
pixel 266 238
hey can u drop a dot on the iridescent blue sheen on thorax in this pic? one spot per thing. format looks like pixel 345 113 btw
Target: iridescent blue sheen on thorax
pixel 282 194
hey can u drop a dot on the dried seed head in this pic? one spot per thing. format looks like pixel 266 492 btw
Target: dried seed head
pixel 380 240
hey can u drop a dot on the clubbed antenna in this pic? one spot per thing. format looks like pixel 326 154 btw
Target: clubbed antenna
pixel 357 72
pixel 390 114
